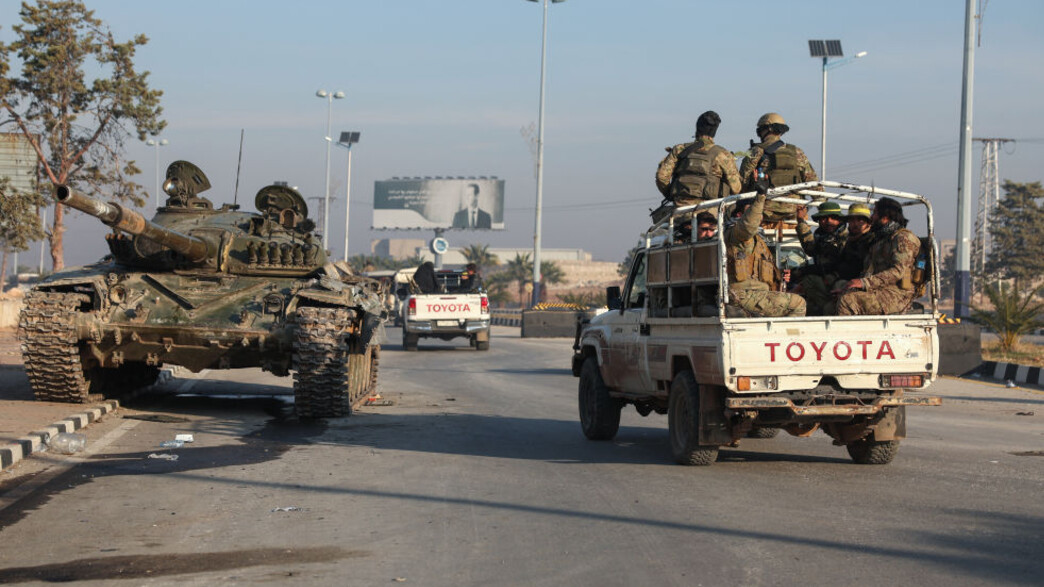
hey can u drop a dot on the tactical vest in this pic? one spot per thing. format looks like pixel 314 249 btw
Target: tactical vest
pixel 752 263
pixel 693 177
pixel 780 162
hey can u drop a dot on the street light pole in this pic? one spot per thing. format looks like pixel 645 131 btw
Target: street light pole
pixel 540 159
pixel 157 145
pixel 348 138
pixel 326 194
pixel 826 50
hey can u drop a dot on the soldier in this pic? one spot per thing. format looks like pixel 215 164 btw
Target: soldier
pixel 699 170
pixel 857 247
pixel 886 286
pixel 706 228
pixel 825 246
pixel 773 160
pixel 754 278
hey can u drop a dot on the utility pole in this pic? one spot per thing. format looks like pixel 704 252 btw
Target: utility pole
pixel 962 276
pixel 989 196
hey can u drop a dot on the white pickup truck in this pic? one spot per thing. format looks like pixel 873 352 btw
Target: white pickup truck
pixel 667 345
pixel 457 310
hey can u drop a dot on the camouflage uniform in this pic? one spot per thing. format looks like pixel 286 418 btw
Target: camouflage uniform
pixel 753 276
pixel 723 167
pixel 826 248
pixel 887 286
pixel 802 173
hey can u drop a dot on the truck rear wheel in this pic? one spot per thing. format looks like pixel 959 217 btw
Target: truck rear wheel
pixel 409 341
pixel 683 421
pixel 872 452
pixel 763 433
pixel 599 412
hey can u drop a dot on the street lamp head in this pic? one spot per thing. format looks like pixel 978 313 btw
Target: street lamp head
pixel 338 95
pixel 321 93
pixel 860 54
pixel 150 142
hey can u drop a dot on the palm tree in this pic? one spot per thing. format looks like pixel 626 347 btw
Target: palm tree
pixel 1014 313
pixel 480 255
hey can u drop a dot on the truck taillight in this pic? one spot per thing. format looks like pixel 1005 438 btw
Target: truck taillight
pixel 412 307
pixel 902 381
pixel 485 305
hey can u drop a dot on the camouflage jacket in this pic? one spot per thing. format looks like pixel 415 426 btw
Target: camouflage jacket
pixel 724 167
pixel 750 163
pixel 825 247
pixel 891 258
pixel 750 263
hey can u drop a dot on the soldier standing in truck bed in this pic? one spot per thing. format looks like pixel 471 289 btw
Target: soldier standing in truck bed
pixel 754 278
pixel 699 170
pixel 886 285
pixel 778 162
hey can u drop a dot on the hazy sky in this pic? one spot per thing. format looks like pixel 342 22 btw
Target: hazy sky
pixel 444 88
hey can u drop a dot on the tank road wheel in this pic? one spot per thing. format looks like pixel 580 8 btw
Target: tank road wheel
pixel 321 363
pixel 867 451
pixel 599 413
pixel 50 346
pixel 763 433
pixel 375 360
pixel 683 422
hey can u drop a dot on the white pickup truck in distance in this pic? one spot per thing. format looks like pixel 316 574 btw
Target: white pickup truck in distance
pixel 670 345
pixel 457 310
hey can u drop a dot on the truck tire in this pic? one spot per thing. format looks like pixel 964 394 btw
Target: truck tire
pixel 482 345
pixel 763 433
pixel 683 422
pixel 599 413
pixel 409 341
pixel 867 451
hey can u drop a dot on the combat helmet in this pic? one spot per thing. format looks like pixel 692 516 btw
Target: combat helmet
pixel 858 211
pixel 828 209
pixel 773 123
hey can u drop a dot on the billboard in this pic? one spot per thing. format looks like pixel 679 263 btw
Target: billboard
pixel 462 203
pixel 18 161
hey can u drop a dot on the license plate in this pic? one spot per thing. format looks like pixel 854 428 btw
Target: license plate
pixel 446 323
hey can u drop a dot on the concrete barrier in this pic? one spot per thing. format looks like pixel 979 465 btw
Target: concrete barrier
pixel 551 323
pixel 960 348
pixel 9 310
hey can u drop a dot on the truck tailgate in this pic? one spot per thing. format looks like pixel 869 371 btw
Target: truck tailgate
pixel 449 307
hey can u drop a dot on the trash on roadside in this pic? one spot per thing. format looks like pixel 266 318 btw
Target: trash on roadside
pixel 292 508
pixel 1009 384
pixel 378 400
pixel 164 457
pixel 172 444
pixel 186 438
pixel 1023 413
pixel 67 443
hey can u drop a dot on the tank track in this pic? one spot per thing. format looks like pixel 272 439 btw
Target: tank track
pixel 332 375
pixel 50 346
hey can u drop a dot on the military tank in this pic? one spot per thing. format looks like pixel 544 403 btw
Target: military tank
pixel 205 288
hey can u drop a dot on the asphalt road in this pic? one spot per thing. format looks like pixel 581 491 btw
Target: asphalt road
pixel 479 475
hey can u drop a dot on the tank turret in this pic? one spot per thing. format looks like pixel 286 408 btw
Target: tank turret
pixel 194 249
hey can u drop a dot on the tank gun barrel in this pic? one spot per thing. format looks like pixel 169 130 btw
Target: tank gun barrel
pixel 112 214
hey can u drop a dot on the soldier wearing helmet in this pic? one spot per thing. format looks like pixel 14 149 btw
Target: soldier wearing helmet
pixel 886 285
pixel 699 170
pixel 774 161
pixel 825 246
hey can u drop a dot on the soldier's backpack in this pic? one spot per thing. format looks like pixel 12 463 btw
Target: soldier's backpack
pixel 780 163
pixel 693 178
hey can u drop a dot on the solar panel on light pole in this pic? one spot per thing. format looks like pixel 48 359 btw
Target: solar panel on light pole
pixel 825 50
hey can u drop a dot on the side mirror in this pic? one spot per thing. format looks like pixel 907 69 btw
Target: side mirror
pixel 612 297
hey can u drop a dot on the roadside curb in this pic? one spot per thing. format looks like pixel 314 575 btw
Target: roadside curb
pixel 36 441
pixel 1012 372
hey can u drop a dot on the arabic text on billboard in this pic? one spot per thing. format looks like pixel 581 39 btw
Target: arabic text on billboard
pixel 467 204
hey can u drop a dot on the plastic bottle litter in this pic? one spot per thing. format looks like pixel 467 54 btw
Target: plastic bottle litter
pixel 164 457
pixel 1010 384
pixel 292 508
pixel 186 438
pixel 67 443
pixel 172 444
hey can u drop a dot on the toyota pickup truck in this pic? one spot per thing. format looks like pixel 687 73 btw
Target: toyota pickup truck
pixel 669 345
pixel 457 310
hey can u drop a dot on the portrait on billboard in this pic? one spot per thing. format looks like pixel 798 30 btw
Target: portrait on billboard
pixel 465 204
pixel 470 215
